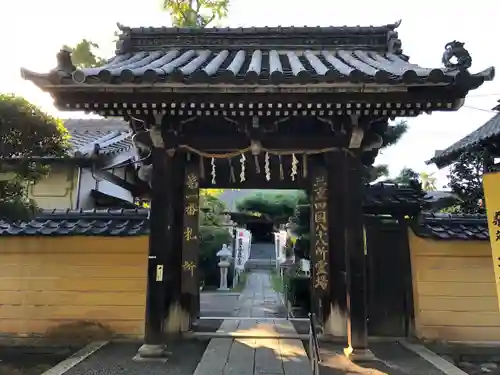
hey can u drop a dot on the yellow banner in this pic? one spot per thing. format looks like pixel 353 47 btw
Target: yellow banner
pixel 491 186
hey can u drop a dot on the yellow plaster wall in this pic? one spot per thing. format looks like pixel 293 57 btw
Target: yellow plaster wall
pixel 57 189
pixel 454 290
pixel 49 282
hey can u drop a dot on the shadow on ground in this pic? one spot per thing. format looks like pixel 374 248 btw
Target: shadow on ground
pixel 116 358
pixel 20 360
pixel 392 359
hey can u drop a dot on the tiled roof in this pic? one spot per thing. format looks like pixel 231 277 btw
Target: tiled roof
pixel 112 135
pixel 381 198
pixel 110 222
pixel 270 55
pixel 387 198
pixel 262 66
pixel 452 227
pixel 484 133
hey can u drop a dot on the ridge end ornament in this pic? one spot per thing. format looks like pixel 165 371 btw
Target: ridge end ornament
pixel 456 51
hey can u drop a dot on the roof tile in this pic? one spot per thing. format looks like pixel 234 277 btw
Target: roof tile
pixel 484 133
pixel 380 198
pixel 452 227
pixel 263 66
pixel 114 134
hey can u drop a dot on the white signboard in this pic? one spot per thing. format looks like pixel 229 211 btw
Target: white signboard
pixel 243 243
pixel 279 246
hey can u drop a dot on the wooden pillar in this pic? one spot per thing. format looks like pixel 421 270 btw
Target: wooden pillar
pixel 160 243
pixel 335 305
pixel 176 320
pixel 190 247
pixel 357 329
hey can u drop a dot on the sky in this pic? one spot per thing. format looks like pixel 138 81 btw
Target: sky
pixel 31 33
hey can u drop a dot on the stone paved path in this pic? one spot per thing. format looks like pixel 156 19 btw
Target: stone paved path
pixel 256 356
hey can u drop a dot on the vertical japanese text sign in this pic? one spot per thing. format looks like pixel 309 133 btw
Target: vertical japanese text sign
pixel 319 240
pixel 239 251
pixel 191 234
pixel 491 186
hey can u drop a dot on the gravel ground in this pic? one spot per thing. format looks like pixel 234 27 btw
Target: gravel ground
pixel 116 359
pixel 17 360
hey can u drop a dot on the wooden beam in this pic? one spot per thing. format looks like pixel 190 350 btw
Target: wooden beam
pixel 272 142
pixel 134 189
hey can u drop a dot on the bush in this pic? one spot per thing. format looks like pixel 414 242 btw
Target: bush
pixel 26 135
pixel 212 239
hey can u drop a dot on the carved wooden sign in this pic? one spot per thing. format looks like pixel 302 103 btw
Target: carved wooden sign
pixel 191 234
pixel 319 237
pixel 491 181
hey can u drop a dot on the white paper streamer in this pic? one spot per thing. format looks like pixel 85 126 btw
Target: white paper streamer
pixel 266 167
pixel 242 174
pixel 212 163
pixel 295 162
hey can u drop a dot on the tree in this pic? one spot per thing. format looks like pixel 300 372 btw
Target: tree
pixel 195 13
pixel 27 135
pixel 212 210
pixel 466 181
pixel 83 55
pixel 276 206
pixel 391 137
pixel 428 181
pixel 407 176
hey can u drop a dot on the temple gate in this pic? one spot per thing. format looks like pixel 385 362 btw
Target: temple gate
pixel 297 108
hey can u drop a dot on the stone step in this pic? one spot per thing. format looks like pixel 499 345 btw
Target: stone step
pixel 260 264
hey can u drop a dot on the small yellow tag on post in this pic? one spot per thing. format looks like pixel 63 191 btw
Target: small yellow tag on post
pixel 491 186
pixel 159 272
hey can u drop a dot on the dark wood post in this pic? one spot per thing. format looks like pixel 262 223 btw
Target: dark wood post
pixel 357 329
pixel 176 319
pixel 335 304
pixel 159 242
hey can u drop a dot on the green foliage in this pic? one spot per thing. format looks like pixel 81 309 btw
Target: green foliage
pixel 392 136
pixel 406 176
pixel 213 236
pixel 377 171
pixel 212 210
pixel 212 239
pixel 26 135
pixel 394 133
pixel 83 55
pixel 428 181
pixel 466 181
pixel 279 207
pixel 196 13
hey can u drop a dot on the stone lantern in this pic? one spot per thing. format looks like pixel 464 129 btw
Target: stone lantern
pixel 225 260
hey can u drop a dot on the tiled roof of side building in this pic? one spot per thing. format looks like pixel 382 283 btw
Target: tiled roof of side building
pixel 112 135
pixel 107 222
pixel 390 198
pixel 452 227
pixel 134 222
pixel 487 132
